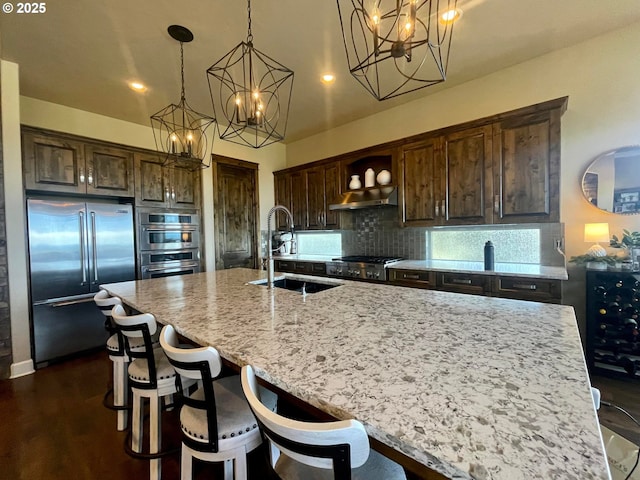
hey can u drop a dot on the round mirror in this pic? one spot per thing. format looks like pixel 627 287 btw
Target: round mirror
pixel 612 181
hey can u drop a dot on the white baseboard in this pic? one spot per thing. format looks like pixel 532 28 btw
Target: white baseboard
pixel 21 369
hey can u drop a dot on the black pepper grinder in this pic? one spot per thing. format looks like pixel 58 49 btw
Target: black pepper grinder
pixel 488 256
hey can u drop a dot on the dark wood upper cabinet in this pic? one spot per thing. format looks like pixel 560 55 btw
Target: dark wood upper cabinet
pixel 165 187
pixel 332 190
pixel 53 164
pixel 499 169
pixel 299 206
pixel 419 182
pixel 308 194
pixel 109 171
pixel 465 194
pixel 283 197
pixel 527 169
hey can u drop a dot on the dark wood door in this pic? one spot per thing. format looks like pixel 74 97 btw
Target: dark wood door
pixel 235 224
pixel 527 169
pixel 467 177
pixel 109 171
pixel 419 181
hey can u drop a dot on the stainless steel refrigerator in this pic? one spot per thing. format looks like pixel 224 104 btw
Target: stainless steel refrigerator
pixel 74 247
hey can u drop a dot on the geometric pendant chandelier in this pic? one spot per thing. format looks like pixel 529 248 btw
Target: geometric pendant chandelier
pixel 395 47
pixel 251 92
pixel 179 131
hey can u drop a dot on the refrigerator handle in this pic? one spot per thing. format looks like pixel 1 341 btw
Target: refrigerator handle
pixel 82 247
pixel 93 247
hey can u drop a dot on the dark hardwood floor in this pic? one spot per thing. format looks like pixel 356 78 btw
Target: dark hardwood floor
pixel 624 393
pixel 53 426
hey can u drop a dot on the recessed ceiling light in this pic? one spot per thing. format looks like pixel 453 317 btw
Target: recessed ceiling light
pixel 137 86
pixel 328 78
pixel 451 16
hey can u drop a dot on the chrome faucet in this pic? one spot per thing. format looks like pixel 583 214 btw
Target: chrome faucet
pixel 270 262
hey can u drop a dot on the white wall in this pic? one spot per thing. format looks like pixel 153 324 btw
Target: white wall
pixel 600 77
pixel 15 220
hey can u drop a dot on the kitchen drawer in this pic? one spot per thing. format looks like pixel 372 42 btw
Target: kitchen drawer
pixel 308 268
pixel 528 289
pixel 319 268
pixel 463 283
pixel 412 278
pixel 284 266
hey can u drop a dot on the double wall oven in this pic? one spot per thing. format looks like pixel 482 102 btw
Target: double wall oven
pixel 169 243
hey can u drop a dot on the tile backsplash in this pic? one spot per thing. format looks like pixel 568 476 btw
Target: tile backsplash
pixel 376 231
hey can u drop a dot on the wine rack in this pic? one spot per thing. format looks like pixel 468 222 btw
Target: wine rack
pixel 613 318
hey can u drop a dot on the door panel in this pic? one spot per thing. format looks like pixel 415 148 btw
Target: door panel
pixel 111 245
pixel 315 194
pixel 468 162
pixel 331 195
pixel 57 249
pixel 152 188
pixel 420 179
pixel 109 171
pixel 235 215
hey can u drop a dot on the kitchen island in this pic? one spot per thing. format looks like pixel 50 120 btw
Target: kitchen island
pixel 467 386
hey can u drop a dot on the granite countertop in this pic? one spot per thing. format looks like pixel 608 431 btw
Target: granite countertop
pixel 472 387
pixel 502 269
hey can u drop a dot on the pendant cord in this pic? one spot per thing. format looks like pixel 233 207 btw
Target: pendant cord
pixel 182 95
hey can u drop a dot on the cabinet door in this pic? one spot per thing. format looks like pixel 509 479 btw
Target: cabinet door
pixel 419 179
pixel 331 195
pixel 299 206
pixel 467 168
pixel 109 171
pixel 184 188
pixel 527 169
pixel 283 197
pixel 152 186
pixel 315 198
pixel 53 164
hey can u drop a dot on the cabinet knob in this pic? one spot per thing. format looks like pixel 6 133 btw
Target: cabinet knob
pixel 81 175
pixel 496 203
pixel 90 178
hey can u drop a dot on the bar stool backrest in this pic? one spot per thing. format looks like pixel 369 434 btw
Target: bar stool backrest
pixel 203 364
pixel 138 326
pixel 339 445
pixel 105 303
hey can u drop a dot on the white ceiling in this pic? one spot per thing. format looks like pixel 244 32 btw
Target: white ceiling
pixel 82 53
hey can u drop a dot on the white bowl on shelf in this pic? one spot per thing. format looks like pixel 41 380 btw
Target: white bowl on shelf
pixel 384 177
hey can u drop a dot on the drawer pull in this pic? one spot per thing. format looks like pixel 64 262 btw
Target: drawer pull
pixel 283 265
pixel 464 281
pixel 301 266
pixel 525 286
pixel 410 276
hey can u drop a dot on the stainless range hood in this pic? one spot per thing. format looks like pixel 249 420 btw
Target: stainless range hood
pixel 370 197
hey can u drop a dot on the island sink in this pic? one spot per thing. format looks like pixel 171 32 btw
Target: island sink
pixel 301 286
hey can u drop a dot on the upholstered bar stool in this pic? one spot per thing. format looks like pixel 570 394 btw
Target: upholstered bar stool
pixel 119 359
pixel 217 424
pixel 317 451
pixel 150 376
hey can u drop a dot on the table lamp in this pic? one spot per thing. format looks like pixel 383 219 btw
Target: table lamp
pixel 596 232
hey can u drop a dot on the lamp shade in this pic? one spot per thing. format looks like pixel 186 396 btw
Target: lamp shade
pixel 596 232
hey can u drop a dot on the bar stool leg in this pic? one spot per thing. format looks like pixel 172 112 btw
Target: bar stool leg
pixel 120 394
pixel 136 423
pixel 155 434
pixel 186 464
